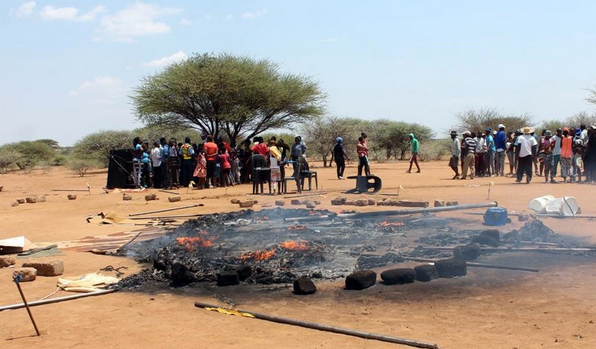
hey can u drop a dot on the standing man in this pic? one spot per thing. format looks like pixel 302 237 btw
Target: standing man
pixel 526 144
pixel 479 157
pixel 490 153
pixel 415 148
pixel 566 156
pixel 546 153
pixel 297 152
pixel 187 168
pixel 501 145
pixel 157 163
pixel 557 151
pixel 468 151
pixel 455 154
pixel 210 153
pixel 340 156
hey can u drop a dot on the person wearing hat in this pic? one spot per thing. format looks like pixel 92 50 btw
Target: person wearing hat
pixel 501 145
pixel 468 152
pixel 525 150
pixel 455 154
pixel 546 154
pixel 566 156
pixel 340 156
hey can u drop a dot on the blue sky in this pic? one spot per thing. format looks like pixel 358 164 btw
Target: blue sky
pixel 69 66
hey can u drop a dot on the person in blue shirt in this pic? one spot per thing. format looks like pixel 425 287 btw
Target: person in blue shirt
pixel 501 145
pixel 491 149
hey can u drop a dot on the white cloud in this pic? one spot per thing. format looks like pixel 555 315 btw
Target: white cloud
pixel 25 9
pixel 255 14
pixel 185 21
pixel 162 62
pixel 137 19
pixel 101 90
pixel 51 13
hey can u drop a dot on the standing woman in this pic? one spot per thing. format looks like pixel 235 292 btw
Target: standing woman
pixel 340 156
pixel 362 151
pixel 200 172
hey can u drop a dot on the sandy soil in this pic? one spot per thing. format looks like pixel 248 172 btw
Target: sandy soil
pixel 487 309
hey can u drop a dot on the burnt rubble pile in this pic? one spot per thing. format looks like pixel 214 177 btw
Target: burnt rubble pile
pixel 275 246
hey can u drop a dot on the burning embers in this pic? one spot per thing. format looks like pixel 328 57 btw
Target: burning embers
pixel 387 224
pixel 192 243
pixel 297 227
pixel 294 246
pixel 258 255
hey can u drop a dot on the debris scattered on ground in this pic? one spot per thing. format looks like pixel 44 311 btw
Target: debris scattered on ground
pixel 27 274
pixel 361 279
pixel 7 261
pixel 151 197
pixel 71 196
pixel 304 286
pixel 174 198
pixel 49 268
pixel 126 197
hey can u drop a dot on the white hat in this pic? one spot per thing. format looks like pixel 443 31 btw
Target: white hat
pixel 501 126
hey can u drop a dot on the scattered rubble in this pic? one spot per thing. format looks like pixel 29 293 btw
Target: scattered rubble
pixel 467 252
pixel 50 268
pixel 151 197
pixel 426 272
pixel 439 203
pixel 488 237
pixel 247 203
pixel 31 199
pixel 174 198
pixel 27 274
pixel 398 276
pixel 21 201
pixel 450 268
pixel 304 286
pixel 228 278
pixel 71 196
pixel 7 261
pixel 361 280
pixel 280 203
pixel 126 197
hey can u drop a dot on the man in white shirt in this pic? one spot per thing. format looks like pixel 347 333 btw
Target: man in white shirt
pixel 455 154
pixel 156 162
pixel 526 144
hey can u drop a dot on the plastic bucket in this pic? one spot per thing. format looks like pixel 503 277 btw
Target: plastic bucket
pixel 539 204
pixel 566 206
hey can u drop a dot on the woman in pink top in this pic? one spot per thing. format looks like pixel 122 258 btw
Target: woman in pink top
pixel 362 150
pixel 201 168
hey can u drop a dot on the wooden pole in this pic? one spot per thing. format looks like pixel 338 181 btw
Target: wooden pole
pixel 327 328
pixel 16 281
pixel 168 192
pixel 119 249
pixel 164 210
pixel 477 265
pixel 87 190
pixel 55 300
pixel 419 210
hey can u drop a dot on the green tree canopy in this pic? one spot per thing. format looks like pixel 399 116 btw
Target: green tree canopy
pixel 237 96
pixel 96 146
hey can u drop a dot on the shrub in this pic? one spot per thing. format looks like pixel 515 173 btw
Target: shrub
pixel 96 147
pixel 8 158
pixel 59 160
pixel 434 150
pixel 81 166
pixel 27 154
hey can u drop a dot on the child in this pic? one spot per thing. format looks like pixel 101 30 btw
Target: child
pixel 201 168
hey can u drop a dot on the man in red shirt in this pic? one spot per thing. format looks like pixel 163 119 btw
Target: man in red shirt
pixel 566 155
pixel 210 153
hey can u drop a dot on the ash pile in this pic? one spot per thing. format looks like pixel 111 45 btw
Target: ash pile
pixel 275 246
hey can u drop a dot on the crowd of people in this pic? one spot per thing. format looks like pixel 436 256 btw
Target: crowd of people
pixel 482 154
pixel 212 163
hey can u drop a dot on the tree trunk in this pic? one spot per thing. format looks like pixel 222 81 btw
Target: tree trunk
pixel 325 160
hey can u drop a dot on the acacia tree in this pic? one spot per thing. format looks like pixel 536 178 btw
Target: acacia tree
pixel 479 119
pixel 216 94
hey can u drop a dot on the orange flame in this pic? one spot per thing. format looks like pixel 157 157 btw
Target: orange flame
pixel 258 255
pixel 191 243
pixel 294 246
pixel 390 224
pixel 297 227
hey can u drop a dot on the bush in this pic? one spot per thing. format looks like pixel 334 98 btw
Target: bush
pixel 27 154
pixel 59 160
pixel 8 158
pixel 81 166
pixel 96 147
pixel 434 150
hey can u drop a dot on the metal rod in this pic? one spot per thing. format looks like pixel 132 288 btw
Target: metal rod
pixel 477 265
pixel 546 215
pixel 307 219
pixel 419 210
pixel 55 300
pixel 71 190
pixel 119 249
pixel 327 328
pixel 164 210
pixel 16 281
pixel 303 195
pixel 172 216
pixel 522 249
pixel 168 192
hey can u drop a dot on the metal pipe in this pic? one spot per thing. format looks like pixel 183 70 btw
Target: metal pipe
pixel 546 215
pixel 16 281
pixel 165 217
pixel 419 210
pixel 327 328
pixel 55 300
pixel 164 210
pixel 477 265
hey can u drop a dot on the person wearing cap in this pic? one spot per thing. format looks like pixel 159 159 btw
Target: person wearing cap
pixel 590 156
pixel 339 155
pixel 186 169
pixel 468 152
pixel 566 156
pixel 455 154
pixel 414 150
pixel 546 154
pixel 501 145
pixel 525 149
pixel 557 151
